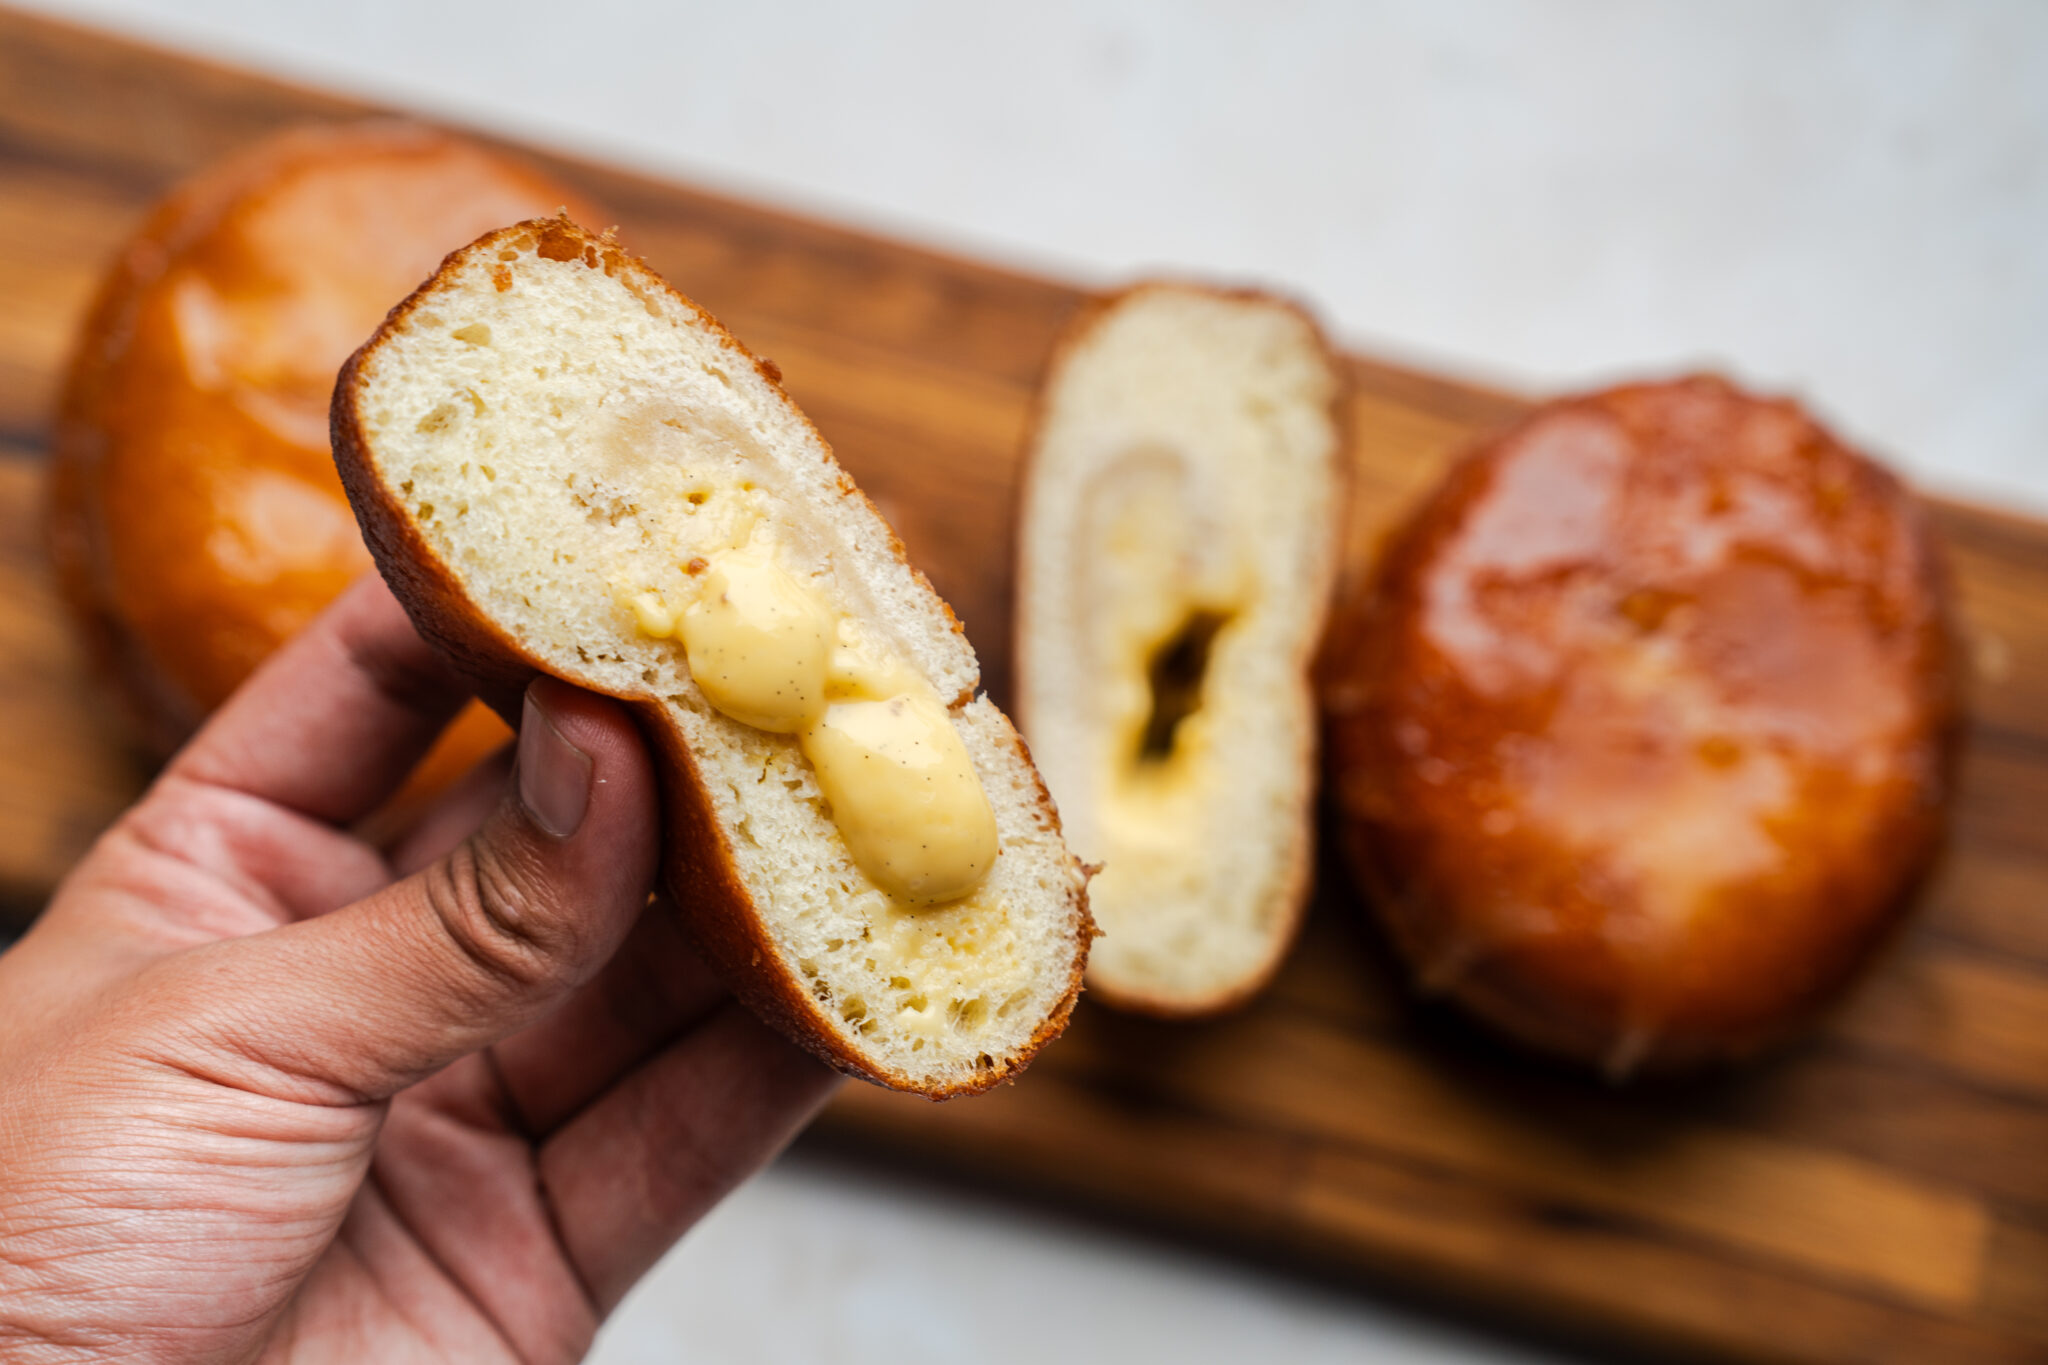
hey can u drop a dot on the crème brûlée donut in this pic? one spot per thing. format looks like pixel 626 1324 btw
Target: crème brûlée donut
pixel 196 521
pixel 562 464
pixel 1178 545
pixel 1642 736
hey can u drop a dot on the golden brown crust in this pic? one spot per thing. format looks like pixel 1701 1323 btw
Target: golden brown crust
pixel 1292 896
pixel 1641 737
pixel 698 865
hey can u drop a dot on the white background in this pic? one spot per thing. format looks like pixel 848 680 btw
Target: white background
pixel 1844 200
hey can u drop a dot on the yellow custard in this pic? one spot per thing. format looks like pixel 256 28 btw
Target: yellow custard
pixel 759 643
pixel 766 650
pixel 1165 596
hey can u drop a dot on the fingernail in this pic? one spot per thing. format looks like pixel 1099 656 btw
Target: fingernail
pixel 554 775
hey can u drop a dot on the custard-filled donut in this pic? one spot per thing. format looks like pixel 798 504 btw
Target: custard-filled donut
pixel 196 520
pixel 1642 735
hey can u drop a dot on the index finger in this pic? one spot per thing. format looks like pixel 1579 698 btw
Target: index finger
pixel 331 723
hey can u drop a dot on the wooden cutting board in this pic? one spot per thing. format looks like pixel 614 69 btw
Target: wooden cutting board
pixel 1879 1193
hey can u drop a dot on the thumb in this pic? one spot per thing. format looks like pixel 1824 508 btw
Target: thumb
pixel 375 996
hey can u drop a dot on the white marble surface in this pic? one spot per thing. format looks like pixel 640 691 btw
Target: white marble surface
pixel 831 1264
pixel 1843 198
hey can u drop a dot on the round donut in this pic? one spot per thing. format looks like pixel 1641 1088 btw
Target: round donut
pixel 1641 735
pixel 195 518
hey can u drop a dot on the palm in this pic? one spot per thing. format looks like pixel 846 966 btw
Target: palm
pixel 265 1127
pixel 445 1253
pixel 420 1216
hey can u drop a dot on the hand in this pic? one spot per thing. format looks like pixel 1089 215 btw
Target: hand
pixel 269 1092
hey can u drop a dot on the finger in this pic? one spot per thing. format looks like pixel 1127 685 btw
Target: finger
pixel 455 815
pixel 331 723
pixel 358 1004
pixel 461 1188
pixel 636 1169
pixel 653 989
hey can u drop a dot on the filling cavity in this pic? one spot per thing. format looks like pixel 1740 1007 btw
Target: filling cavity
pixel 767 650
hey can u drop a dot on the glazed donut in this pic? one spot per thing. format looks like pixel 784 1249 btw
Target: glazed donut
pixel 1641 735
pixel 195 518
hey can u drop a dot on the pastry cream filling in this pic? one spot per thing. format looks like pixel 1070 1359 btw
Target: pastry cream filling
pixel 1162 766
pixel 958 967
pixel 767 651
pixel 1164 598
pixel 759 643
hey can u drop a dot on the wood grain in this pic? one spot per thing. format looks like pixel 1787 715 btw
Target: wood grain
pixel 1877 1193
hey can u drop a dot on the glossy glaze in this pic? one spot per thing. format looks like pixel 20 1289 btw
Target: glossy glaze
pixel 1642 734
pixel 196 518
